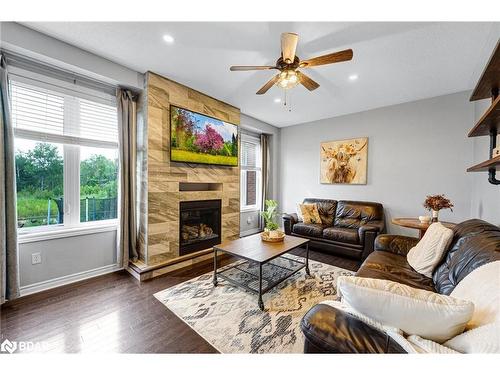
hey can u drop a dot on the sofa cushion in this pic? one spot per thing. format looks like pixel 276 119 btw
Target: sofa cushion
pixel 310 230
pixel 352 214
pixel 326 209
pixel 475 243
pixel 394 267
pixel 429 251
pixel 420 312
pixel 348 235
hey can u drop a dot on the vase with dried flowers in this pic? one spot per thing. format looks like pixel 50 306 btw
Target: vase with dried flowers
pixel 435 203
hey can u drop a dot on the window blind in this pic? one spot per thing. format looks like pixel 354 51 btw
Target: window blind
pixel 42 114
pixel 36 109
pixel 248 154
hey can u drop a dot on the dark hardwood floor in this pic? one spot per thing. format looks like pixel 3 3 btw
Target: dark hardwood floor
pixel 112 313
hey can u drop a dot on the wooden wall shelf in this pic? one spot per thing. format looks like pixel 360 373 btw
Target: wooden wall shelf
pixel 490 79
pixel 489 121
pixel 485 166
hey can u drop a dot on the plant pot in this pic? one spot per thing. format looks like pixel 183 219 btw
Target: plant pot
pixel 435 214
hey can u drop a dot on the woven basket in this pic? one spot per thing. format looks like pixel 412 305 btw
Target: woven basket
pixel 265 237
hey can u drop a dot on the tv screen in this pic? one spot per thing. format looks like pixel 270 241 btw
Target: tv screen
pixel 196 138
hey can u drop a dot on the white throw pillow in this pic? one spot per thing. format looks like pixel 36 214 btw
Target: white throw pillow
pixel 419 312
pixel 426 255
pixel 485 339
pixel 482 288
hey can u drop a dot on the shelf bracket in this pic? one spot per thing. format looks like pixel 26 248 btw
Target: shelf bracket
pixel 491 178
pixel 492 171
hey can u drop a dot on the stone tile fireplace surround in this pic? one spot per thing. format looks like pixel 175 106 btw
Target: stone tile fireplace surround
pixel 163 186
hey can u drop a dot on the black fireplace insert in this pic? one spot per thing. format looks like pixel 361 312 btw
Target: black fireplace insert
pixel 199 225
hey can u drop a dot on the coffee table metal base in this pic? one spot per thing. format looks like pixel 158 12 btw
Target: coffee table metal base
pixel 260 277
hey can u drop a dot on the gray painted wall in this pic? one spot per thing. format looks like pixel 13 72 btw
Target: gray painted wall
pixel 66 256
pixel 485 196
pixel 414 149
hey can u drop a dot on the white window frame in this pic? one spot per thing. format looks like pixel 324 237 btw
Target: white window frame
pixel 243 176
pixel 71 159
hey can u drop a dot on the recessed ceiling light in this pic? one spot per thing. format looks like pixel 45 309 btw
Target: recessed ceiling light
pixel 168 38
pixel 277 100
pixel 353 77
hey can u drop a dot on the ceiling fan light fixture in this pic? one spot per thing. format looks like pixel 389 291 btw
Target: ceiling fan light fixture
pixel 288 79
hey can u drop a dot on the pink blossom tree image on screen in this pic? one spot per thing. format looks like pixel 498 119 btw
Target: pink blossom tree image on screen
pixel 210 141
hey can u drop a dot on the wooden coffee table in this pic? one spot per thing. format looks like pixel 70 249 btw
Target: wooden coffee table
pixel 264 263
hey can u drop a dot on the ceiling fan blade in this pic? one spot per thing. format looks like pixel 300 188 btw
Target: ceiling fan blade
pixel 308 82
pixel 250 67
pixel 268 85
pixel 331 58
pixel 288 46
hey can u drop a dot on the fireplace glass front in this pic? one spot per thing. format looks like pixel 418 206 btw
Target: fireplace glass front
pixel 199 226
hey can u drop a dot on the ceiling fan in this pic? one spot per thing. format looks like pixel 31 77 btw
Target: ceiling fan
pixel 289 64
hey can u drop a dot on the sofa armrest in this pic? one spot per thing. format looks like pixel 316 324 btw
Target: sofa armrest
pixel 396 244
pixel 367 234
pixel 288 221
pixel 373 226
pixel 330 330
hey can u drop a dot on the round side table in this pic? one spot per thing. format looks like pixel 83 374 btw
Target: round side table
pixel 409 222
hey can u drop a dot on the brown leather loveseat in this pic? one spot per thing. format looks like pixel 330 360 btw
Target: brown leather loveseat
pixel 347 228
pixel 329 330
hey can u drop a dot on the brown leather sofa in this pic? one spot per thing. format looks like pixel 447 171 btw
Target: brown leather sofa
pixel 347 228
pixel 329 330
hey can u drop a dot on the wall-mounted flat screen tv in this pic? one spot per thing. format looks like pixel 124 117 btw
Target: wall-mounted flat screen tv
pixel 197 138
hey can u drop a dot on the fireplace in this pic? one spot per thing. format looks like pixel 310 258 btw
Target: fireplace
pixel 199 225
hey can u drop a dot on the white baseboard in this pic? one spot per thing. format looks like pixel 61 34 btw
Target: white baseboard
pixel 63 280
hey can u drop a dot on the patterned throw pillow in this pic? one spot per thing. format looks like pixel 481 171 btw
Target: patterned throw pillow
pixel 310 213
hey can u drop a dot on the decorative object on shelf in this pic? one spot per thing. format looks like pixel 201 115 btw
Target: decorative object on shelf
pixel 269 215
pixel 344 161
pixel 496 151
pixel 434 203
pixel 424 219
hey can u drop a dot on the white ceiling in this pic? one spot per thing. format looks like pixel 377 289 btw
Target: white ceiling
pixel 395 62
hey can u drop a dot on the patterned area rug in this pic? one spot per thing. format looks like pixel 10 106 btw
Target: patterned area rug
pixel 230 320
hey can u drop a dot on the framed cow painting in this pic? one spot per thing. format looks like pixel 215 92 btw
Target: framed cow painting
pixel 344 161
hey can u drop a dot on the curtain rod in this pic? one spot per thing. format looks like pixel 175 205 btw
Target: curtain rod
pixel 36 66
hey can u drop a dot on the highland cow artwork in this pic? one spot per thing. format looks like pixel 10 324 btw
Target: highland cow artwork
pixel 344 162
pixel 196 138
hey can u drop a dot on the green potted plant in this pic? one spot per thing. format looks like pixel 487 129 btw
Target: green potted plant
pixel 269 216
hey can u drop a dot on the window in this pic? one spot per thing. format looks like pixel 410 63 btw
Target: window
pixel 66 154
pixel 250 173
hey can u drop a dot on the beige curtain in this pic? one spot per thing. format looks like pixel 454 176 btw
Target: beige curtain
pixel 127 128
pixel 9 258
pixel 264 146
